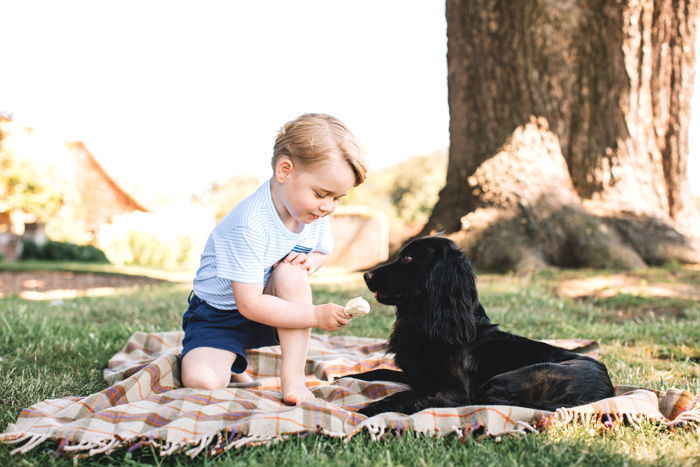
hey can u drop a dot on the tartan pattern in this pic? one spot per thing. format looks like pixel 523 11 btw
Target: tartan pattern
pixel 145 404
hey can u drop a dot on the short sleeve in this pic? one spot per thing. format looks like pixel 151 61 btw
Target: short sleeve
pixel 325 238
pixel 239 255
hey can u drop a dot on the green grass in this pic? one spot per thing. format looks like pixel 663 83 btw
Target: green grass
pixel 128 270
pixel 58 349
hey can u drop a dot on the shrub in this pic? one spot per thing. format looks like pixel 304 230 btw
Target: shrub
pixel 61 251
pixel 405 192
pixel 165 239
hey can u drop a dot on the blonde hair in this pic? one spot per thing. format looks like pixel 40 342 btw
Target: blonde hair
pixel 311 138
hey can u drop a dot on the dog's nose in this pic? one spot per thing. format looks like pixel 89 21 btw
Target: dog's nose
pixel 368 275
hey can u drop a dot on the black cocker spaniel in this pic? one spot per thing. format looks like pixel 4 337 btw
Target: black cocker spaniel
pixel 452 355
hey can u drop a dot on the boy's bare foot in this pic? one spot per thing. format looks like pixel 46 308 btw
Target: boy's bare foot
pixel 294 391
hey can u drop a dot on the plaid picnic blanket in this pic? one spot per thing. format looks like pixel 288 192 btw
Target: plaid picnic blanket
pixel 146 405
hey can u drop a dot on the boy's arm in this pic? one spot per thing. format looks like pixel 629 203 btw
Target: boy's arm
pixel 316 260
pixel 273 311
pixel 311 262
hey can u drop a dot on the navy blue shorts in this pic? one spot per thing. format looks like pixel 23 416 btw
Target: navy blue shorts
pixel 206 326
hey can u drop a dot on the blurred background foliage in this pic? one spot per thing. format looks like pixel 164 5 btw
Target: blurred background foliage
pixel 61 251
pixel 37 190
pixel 172 236
pixel 405 193
pixel 221 197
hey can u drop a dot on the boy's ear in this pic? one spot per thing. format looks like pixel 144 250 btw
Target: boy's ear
pixel 283 169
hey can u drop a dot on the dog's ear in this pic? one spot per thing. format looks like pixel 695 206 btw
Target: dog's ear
pixel 449 297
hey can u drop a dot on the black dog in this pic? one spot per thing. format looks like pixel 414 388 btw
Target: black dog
pixel 450 352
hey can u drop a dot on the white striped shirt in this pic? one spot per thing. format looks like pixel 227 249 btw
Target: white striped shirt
pixel 247 242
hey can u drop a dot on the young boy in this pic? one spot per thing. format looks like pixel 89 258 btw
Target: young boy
pixel 252 286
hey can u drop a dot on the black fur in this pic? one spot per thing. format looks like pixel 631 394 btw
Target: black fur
pixel 450 352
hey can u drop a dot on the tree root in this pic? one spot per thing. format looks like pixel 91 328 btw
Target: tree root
pixel 528 215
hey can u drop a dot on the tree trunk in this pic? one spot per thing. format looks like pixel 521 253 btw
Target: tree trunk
pixel 569 132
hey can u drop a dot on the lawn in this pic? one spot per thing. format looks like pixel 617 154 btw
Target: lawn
pixel 57 348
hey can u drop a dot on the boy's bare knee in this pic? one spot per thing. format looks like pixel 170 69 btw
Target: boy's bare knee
pixel 287 279
pixel 202 377
pixel 289 282
pixel 206 368
pixel 289 272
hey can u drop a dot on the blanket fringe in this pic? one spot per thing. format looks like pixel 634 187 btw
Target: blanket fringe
pixel 14 438
pixel 165 448
pixel 521 428
pixel 170 448
pixel 610 420
pixel 106 446
pixel 253 440
pixel 34 441
pixel 227 439
pixel 376 432
pixel 203 443
pixel 689 418
pixel 81 446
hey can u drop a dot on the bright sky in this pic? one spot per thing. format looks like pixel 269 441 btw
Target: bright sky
pixel 177 94
pixel 173 95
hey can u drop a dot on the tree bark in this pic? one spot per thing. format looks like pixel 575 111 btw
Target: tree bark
pixel 599 90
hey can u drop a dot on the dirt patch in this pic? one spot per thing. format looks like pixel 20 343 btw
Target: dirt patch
pixel 633 296
pixel 47 285
pixel 609 286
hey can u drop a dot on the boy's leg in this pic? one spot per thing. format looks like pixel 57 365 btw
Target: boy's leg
pixel 206 368
pixel 291 283
pixel 294 344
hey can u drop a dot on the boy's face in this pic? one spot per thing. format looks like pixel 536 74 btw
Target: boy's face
pixel 313 193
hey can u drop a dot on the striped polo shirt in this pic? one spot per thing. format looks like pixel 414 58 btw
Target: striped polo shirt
pixel 247 242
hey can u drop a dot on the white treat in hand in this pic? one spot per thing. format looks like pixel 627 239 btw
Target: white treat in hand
pixel 357 307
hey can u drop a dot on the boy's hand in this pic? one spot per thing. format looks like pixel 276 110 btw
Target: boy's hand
pixel 301 260
pixel 331 317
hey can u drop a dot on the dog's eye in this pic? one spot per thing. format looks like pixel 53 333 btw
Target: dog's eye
pixel 406 259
